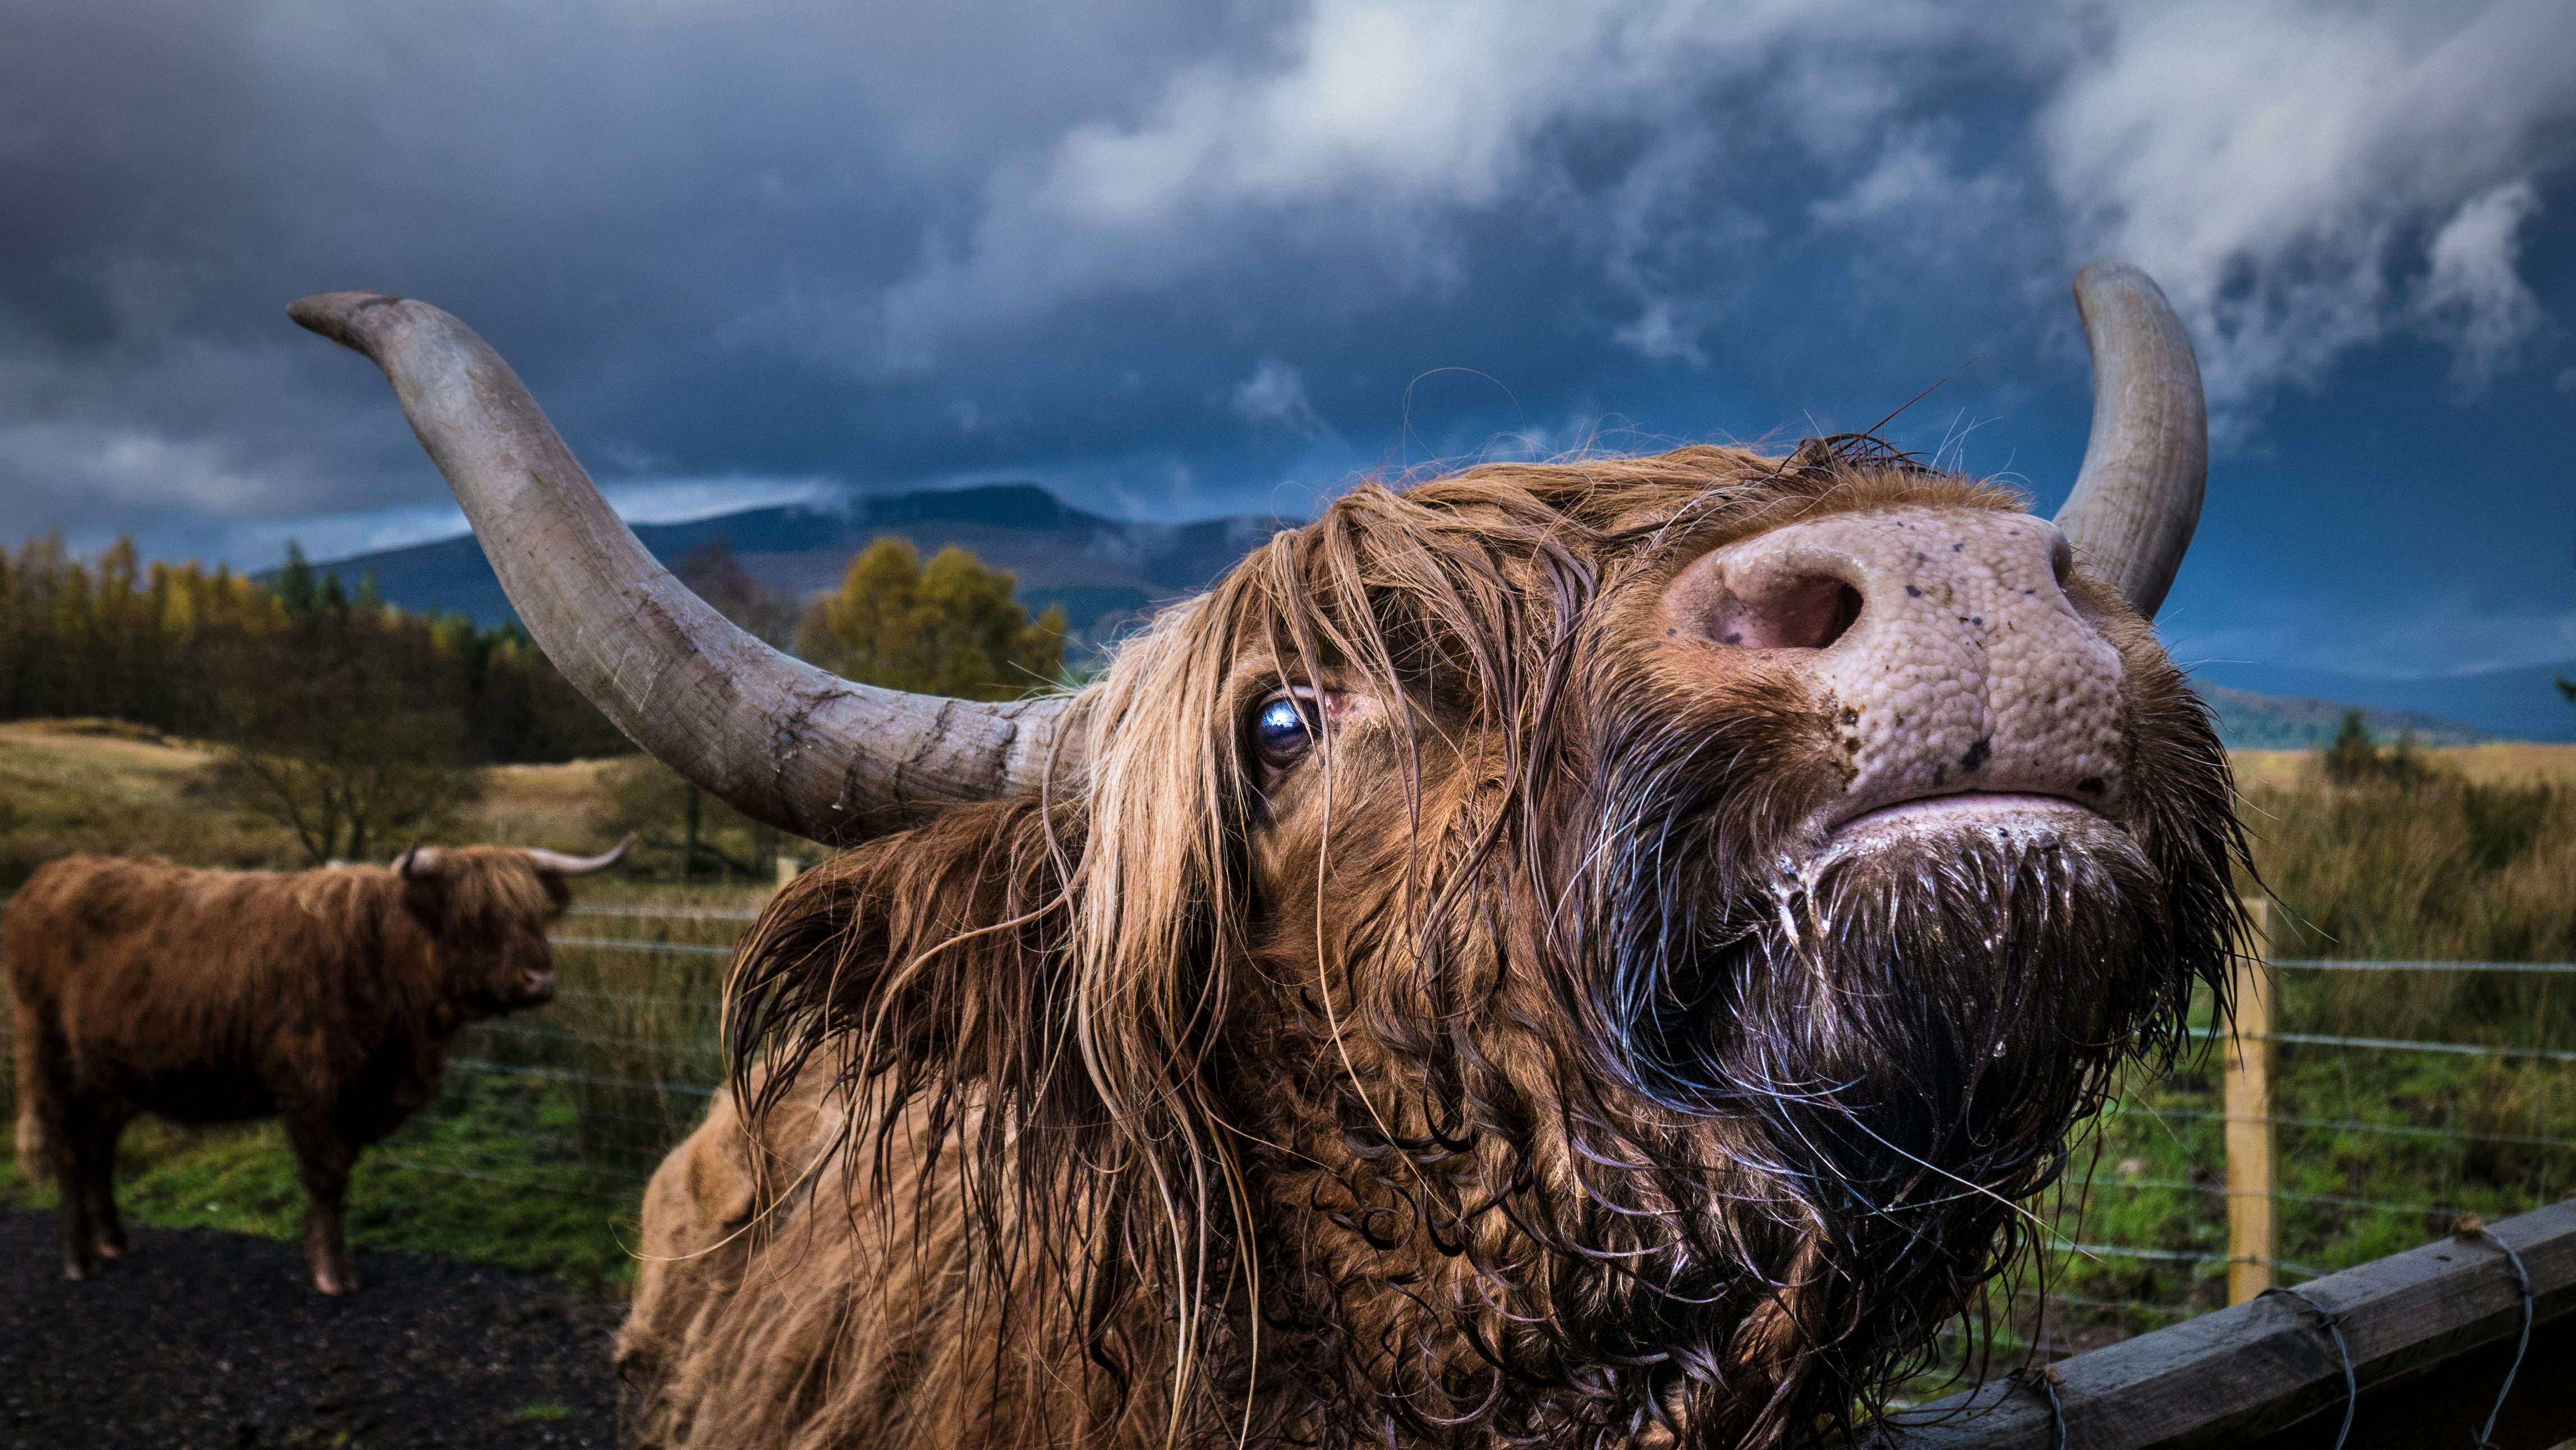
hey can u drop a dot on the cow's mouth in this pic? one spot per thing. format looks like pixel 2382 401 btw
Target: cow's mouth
pixel 2020 819
pixel 1975 809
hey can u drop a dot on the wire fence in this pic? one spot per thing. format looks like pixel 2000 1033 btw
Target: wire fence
pixel 2438 1089
pixel 586 1096
pixel 2383 1139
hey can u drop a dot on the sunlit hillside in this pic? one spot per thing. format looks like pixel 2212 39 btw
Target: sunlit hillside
pixel 108 787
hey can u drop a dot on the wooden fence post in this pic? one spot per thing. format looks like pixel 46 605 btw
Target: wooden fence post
pixel 2252 1241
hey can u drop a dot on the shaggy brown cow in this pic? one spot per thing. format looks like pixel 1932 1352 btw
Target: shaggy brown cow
pixel 1583 954
pixel 326 998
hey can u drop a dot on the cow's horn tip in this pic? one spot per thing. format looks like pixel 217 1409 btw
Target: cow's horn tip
pixel 335 314
pixel 2109 272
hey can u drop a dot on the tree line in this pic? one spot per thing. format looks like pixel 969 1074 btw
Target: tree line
pixel 354 722
pixel 220 656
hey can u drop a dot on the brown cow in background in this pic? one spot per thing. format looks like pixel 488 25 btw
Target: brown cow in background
pixel 327 998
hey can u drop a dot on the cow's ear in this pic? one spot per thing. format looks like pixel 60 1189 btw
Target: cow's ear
pixel 930 958
pixel 424 898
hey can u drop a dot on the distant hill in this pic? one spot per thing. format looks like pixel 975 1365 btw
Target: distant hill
pixel 1106 573
pixel 2511 704
pixel 2248 721
pixel 1102 572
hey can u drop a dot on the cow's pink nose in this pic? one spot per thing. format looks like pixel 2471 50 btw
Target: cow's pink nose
pixel 1940 644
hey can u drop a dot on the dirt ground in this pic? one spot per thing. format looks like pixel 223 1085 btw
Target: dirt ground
pixel 212 1341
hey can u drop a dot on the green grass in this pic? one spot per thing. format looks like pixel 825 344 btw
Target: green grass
pixel 2385 1175
pixel 486 1174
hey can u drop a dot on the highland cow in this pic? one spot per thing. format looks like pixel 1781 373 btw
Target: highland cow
pixel 327 998
pixel 1579 954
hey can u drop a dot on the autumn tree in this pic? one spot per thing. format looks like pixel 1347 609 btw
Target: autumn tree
pixel 678 827
pixel 715 575
pixel 948 627
pixel 116 636
pixel 346 729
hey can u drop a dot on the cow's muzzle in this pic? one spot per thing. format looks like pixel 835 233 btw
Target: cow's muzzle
pixel 1941 646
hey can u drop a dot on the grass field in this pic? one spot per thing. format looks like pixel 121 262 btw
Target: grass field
pixel 2514 762
pixel 542 1171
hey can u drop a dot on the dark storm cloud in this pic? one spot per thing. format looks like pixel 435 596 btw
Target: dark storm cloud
pixel 606 193
pixel 1186 259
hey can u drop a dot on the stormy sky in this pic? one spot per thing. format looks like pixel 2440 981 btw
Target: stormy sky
pixel 1175 259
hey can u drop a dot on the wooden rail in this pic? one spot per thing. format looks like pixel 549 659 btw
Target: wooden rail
pixel 2430 1333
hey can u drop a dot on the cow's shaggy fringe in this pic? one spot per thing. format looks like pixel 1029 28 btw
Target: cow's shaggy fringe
pixel 1539 1105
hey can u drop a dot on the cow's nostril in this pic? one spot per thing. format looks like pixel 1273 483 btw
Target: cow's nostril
pixel 1799 613
pixel 2061 558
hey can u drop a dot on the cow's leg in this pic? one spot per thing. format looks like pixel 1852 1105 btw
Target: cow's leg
pixel 53 1118
pixel 74 1140
pixel 323 1157
pixel 98 1188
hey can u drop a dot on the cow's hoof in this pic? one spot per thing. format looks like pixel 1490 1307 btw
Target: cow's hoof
pixel 107 1250
pixel 76 1273
pixel 329 1282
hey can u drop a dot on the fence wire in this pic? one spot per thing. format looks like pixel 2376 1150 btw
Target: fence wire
pixel 583 1099
pixel 2140 1231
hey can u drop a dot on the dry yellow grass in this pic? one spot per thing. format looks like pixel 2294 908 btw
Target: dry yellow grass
pixel 110 788
pixel 123 759
pixel 2507 763
pixel 561 807
pixel 68 786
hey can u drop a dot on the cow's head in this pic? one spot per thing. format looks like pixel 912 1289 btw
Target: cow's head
pixel 485 910
pixel 1558 950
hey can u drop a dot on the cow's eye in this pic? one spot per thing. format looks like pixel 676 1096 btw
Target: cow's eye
pixel 1285 727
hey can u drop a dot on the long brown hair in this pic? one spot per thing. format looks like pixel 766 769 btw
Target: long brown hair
pixel 1414 1148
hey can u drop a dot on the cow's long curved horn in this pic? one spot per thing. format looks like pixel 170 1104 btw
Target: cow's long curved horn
pixel 774 737
pixel 558 863
pixel 2137 501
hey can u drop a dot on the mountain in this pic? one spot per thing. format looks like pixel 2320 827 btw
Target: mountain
pixel 1107 573
pixel 2522 703
pixel 2247 721
pixel 1102 572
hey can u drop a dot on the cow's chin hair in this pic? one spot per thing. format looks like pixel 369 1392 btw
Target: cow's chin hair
pixel 1887 1048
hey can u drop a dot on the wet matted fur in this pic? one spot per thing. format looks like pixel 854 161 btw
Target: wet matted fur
pixel 1504 1072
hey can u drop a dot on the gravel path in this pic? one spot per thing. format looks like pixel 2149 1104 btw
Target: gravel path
pixel 212 1341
